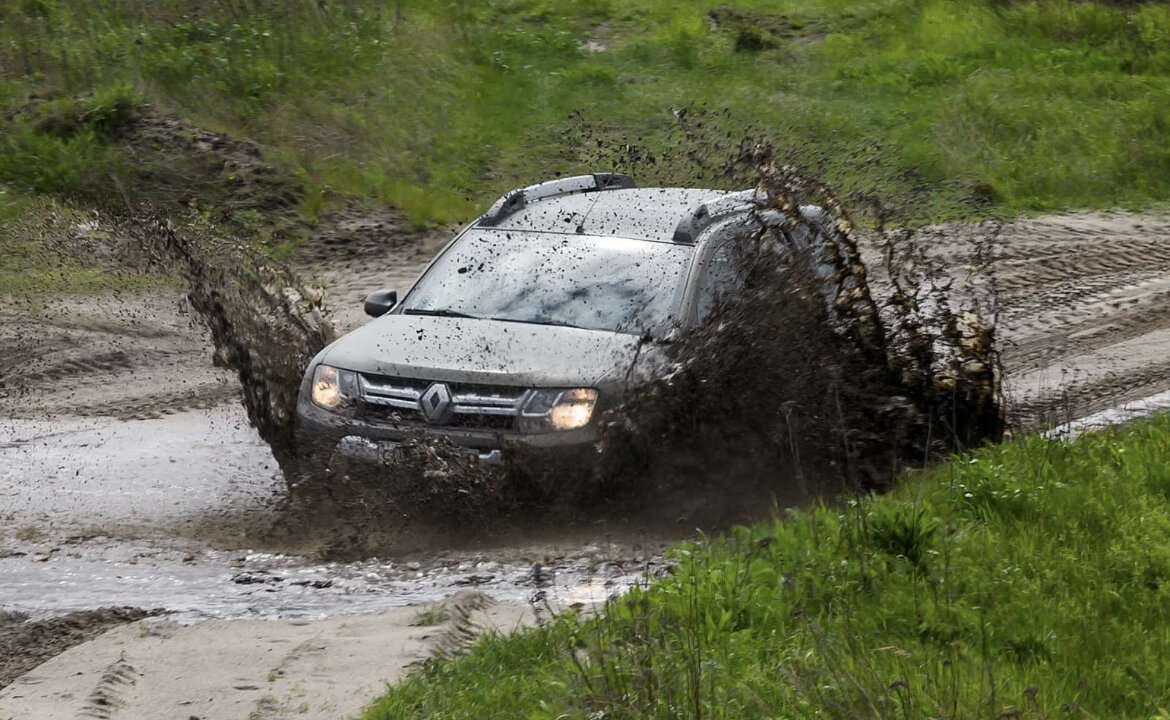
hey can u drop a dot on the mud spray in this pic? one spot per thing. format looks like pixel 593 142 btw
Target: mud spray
pixel 804 383
pixel 812 379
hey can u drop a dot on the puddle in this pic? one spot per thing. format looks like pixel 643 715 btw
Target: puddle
pixel 100 513
pixel 76 474
pixel 46 580
pixel 1113 416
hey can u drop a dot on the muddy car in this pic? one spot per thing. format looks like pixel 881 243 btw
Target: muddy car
pixel 532 322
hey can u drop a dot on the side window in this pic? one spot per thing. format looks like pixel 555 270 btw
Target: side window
pixel 718 278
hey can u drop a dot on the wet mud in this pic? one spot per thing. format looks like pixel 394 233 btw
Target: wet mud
pixel 26 643
pixel 91 516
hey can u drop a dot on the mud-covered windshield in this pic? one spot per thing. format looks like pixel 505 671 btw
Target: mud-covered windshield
pixel 597 283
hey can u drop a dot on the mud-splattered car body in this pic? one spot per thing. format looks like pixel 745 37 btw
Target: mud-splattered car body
pixel 534 321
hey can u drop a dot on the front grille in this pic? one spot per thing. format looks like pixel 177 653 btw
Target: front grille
pixel 400 401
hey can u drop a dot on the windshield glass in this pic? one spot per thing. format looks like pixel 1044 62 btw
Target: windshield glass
pixel 597 283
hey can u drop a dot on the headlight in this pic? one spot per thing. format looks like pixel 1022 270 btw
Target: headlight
pixel 333 389
pixel 553 410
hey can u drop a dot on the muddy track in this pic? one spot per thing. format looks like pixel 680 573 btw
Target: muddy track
pixel 125 356
pixel 1085 312
pixel 1083 304
pixel 260 669
pixel 133 356
pixel 24 645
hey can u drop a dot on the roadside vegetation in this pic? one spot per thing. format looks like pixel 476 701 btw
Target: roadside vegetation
pixel 50 246
pixel 937 107
pixel 1030 579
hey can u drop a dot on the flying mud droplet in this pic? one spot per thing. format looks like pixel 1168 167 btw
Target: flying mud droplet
pixel 265 323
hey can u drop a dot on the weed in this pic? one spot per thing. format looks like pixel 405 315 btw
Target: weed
pixel 109 109
pixel 427 617
pixel 903 532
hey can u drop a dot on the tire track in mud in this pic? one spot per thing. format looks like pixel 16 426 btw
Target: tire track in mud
pixel 160 404
pixel 121 355
pixel 1118 311
pixel 1084 309
pixel 24 644
pixel 1085 312
pixel 1082 303
pixel 144 355
pixel 106 698
pixel 461 618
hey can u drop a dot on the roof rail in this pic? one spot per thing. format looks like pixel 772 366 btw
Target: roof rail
pixel 517 199
pixel 698 219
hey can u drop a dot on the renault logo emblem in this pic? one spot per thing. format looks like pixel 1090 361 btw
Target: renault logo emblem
pixel 435 403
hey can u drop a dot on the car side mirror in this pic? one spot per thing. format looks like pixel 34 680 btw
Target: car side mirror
pixel 380 302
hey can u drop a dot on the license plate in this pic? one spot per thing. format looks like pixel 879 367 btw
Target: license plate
pixel 386 452
pixel 390 452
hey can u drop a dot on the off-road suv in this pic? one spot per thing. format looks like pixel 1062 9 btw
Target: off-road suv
pixel 534 320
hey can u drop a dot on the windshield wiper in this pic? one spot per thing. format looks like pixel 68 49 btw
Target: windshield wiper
pixel 553 323
pixel 440 312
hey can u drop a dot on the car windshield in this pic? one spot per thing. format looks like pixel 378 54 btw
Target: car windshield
pixel 597 283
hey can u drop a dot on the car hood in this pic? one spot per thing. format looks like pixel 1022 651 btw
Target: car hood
pixel 489 352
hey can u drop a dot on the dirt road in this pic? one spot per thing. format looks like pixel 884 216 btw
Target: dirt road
pixel 129 475
pixel 1086 300
pixel 1084 317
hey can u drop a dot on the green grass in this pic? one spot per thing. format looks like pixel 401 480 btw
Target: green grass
pixel 39 254
pixel 64 146
pixel 1025 580
pixel 934 106
pixel 427 617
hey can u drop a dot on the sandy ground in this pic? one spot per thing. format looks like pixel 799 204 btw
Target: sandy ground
pixel 1084 323
pixel 248 669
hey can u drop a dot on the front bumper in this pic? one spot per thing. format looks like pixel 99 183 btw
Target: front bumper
pixel 324 436
pixel 384 452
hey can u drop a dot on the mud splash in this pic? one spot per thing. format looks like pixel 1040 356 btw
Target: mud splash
pixel 265 323
pixel 811 380
pixel 808 381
